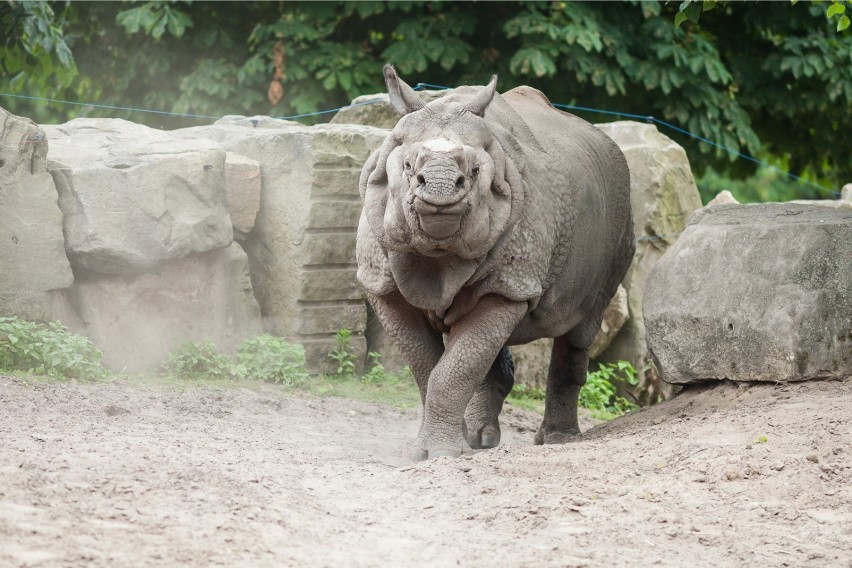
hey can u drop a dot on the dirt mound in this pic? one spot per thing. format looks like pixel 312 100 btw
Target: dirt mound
pixel 124 474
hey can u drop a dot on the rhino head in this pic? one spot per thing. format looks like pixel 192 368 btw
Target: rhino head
pixel 446 181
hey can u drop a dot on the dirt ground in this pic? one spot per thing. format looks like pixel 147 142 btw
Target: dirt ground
pixel 123 474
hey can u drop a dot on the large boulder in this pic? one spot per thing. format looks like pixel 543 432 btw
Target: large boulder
pixel 754 293
pixel 663 194
pixel 302 246
pixel 840 204
pixel 376 110
pixel 134 197
pixel 533 359
pixel 34 270
pixel 138 319
pixel 242 192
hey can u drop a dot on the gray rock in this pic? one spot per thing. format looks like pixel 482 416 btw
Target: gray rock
pixel 301 248
pixel 724 197
pixel 833 203
pixel 34 270
pixel 614 318
pixel 663 194
pixel 846 192
pixel 242 192
pixel 754 293
pixel 663 191
pixel 134 197
pixel 138 320
pixel 376 110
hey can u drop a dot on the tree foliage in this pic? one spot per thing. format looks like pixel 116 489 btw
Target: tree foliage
pixel 771 80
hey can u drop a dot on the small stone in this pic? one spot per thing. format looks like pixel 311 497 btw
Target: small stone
pixel 115 410
pixel 812 458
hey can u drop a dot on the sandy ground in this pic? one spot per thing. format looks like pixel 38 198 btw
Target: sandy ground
pixel 126 475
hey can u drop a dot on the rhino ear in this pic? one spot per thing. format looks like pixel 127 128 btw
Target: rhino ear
pixel 402 97
pixel 483 98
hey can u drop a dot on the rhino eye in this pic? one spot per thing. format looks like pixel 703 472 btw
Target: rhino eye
pixel 475 170
pixel 407 165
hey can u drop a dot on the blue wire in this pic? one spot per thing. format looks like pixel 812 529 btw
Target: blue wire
pixel 370 102
pixel 109 106
pixel 420 86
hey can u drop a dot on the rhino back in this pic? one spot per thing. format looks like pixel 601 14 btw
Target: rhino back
pixel 577 215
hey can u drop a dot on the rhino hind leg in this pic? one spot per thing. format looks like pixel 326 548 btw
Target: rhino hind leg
pixel 481 426
pixel 565 376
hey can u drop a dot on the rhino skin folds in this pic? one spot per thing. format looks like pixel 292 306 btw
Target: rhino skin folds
pixel 496 220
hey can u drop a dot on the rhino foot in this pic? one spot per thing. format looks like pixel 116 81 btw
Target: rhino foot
pixel 482 436
pixel 419 454
pixel 422 451
pixel 542 436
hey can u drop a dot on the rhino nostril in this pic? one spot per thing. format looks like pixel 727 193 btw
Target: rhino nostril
pixel 460 181
pixel 420 179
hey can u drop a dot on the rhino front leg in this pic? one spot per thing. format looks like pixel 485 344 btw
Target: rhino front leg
pixel 410 331
pixel 565 377
pixel 472 346
pixel 481 425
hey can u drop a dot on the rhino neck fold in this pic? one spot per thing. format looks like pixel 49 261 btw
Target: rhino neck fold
pixel 430 283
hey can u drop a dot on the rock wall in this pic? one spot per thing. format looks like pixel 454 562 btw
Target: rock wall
pixel 245 225
pixel 302 247
pixel 34 270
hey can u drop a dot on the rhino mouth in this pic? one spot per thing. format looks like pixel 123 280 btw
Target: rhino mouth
pixel 440 221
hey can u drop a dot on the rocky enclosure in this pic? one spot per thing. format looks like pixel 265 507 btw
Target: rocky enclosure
pixel 142 238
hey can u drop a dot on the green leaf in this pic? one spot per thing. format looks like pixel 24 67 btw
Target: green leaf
pixel 835 9
pixel 843 23
pixel 693 12
pixel 159 27
pixel 177 23
pixel 680 18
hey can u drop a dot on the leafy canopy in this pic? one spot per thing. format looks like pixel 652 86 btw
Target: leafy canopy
pixel 770 79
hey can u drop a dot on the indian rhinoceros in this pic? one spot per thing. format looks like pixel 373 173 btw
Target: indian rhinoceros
pixel 493 220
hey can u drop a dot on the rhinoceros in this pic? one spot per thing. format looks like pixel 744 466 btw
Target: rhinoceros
pixel 491 220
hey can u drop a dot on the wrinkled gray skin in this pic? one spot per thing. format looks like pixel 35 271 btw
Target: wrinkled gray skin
pixel 494 220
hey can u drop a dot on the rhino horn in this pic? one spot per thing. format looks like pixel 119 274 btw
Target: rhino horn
pixel 402 97
pixel 483 98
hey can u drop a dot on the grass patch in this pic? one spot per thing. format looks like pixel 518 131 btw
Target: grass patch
pixel 29 349
pixel 270 359
pixel 401 393
pixel 527 397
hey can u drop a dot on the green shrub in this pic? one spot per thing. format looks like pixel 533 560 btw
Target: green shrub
pixel 198 360
pixel 378 375
pixel 262 357
pixel 600 393
pixel 344 354
pixel 269 358
pixel 48 350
